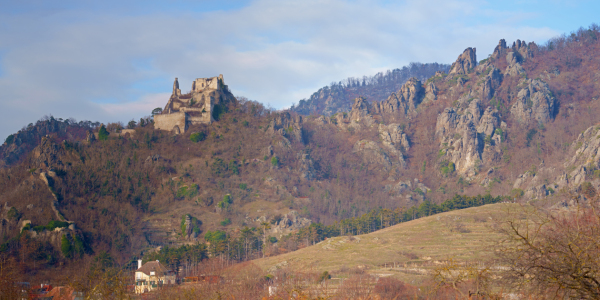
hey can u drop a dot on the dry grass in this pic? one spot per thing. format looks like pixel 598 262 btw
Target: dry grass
pixel 413 247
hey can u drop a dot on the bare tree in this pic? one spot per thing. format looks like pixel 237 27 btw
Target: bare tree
pixel 555 251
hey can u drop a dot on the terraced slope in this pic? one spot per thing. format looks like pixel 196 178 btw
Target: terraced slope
pixel 406 250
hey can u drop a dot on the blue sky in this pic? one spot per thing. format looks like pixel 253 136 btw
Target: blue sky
pixel 116 60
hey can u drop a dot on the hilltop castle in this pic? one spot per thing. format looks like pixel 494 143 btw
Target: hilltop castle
pixel 207 97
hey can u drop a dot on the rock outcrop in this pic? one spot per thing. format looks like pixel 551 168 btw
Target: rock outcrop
pixel 360 109
pixel 582 167
pixel 306 167
pixel 47 155
pixel 372 154
pixel 191 227
pixel 431 92
pixel 18 145
pixel 465 62
pixel 500 50
pixel 514 68
pixel 395 141
pixel 469 138
pixel 534 102
pixel 287 125
pixel 339 97
pixel 289 223
pixel 404 101
pixel 491 82
pixel 413 187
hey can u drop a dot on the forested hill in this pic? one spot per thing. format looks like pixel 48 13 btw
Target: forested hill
pixel 339 96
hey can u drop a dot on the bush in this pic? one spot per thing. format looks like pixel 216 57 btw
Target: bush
pixel 225 222
pixel 181 192
pixel 194 223
pixel 274 161
pixel 272 240
pixel 103 133
pixel 215 236
pixel 517 193
pixel 447 167
pixel 197 137
pixel 218 111
pixel 13 214
pixel 325 275
pixel 487 139
pixel 245 123
pixel 186 191
pixel 226 202
pixel 65 247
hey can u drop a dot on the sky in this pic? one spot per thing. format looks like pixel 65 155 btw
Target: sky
pixel 113 61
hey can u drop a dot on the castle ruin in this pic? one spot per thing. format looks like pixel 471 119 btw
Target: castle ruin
pixel 208 95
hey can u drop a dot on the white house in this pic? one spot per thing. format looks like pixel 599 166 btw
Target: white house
pixel 151 276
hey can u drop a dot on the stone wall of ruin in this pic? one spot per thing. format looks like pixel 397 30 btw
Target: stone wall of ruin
pixel 169 121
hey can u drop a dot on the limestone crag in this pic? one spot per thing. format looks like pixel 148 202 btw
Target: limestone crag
pixel 431 92
pixel 500 49
pixel 523 49
pixel 404 101
pixel 372 154
pixel 469 138
pixel 514 68
pixel 290 222
pixel 18 145
pixel 287 125
pixel 580 168
pixel 465 62
pixel 306 167
pixel 534 102
pixel 191 228
pixel 47 155
pixel 491 82
pixel 409 187
pixel 395 140
pixel 90 137
pixel 361 109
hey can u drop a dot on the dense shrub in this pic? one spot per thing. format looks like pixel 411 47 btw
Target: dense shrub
pixel 197 137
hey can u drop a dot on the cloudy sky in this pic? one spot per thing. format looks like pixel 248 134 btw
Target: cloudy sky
pixel 116 60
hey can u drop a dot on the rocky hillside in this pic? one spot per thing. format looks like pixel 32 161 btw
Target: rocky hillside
pixel 18 145
pixel 338 97
pixel 522 122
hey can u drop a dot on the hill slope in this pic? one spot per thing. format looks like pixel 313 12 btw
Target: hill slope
pixel 521 122
pixel 406 250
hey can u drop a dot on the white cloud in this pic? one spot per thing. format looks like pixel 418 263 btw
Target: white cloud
pixel 276 52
